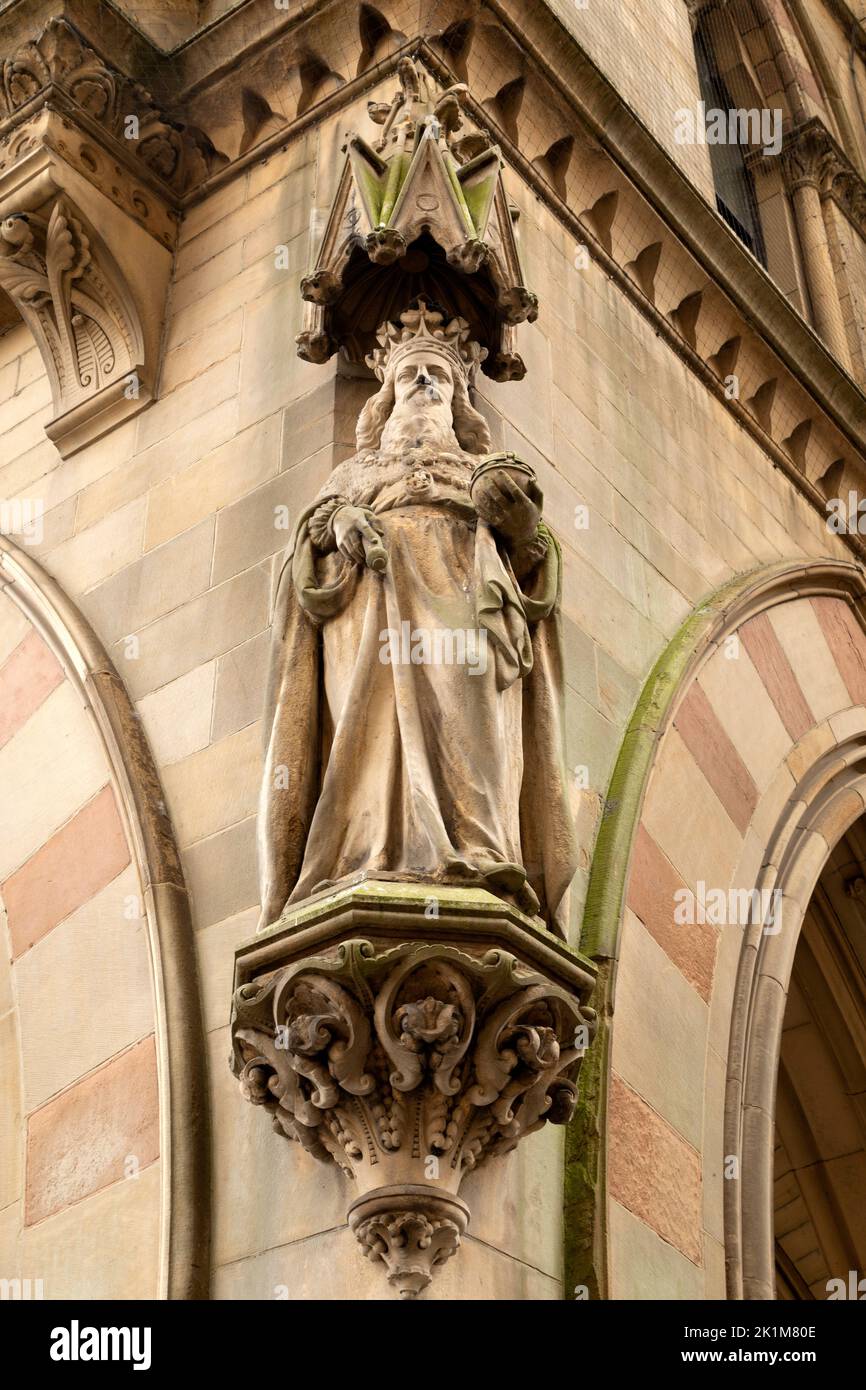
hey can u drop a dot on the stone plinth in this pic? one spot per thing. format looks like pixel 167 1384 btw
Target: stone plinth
pixel 409 1034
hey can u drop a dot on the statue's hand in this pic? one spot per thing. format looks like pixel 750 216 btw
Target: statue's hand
pixel 503 504
pixel 352 526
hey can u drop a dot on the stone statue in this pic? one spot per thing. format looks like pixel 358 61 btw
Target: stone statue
pixel 413 724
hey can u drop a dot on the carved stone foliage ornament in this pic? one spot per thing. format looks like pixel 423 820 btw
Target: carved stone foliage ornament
pixel 422 212
pixel 58 63
pixel 409 1067
pixel 811 158
pixel 68 289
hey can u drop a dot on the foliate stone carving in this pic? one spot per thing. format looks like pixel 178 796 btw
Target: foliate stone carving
pixel 811 158
pixel 59 64
pixel 68 289
pixel 411 1233
pixel 98 166
pixel 409 1067
pixel 422 211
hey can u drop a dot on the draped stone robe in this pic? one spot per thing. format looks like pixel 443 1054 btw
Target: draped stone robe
pixel 385 757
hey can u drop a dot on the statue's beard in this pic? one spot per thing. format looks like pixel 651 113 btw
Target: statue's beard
pixel 419 420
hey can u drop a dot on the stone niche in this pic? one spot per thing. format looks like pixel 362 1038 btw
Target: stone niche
pixel 409 1035
pixel 419 213
pixel 411 1027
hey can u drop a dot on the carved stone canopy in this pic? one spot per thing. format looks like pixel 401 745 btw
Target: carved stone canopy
pixel 422 213
pixel 409 1035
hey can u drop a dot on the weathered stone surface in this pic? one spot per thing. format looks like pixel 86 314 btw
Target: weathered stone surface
pixel 646 1267
pixel 177 717
pixel 774 668
pixel 797 626
pixel 103 1130
pixel 660 1037
pixel 221 873
pixel 106 1246
pixel 102 947
pixel 55 736
pixel 27 677
pixel 67 871
pixel 652 889
pixel 701 731
pixel 11 1128
pixel 652 1172
pixel 239 694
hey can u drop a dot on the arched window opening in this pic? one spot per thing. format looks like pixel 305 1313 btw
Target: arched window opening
pixel 820 1157
pixel 734 187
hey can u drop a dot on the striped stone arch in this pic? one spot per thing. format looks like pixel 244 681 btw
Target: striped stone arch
pixel 742 767
pixel 104 1152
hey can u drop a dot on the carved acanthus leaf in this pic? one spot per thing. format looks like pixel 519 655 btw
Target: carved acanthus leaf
pixel 451 1060
pixel 73 298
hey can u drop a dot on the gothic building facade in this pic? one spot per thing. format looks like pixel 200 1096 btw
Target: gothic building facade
pixel 433 649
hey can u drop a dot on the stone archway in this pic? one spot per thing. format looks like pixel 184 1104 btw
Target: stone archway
pixel 742 766
pixel 768 1097
pixel 820 1161
pixel 55 860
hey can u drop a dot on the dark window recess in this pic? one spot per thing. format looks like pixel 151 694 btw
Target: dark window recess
pixel 735 190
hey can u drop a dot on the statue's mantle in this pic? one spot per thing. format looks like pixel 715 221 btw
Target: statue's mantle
pixel 409 1033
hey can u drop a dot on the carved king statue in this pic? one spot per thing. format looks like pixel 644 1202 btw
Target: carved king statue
pixel 413 724
pixel 413 1030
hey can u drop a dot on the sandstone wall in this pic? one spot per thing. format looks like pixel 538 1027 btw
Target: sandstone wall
pixel 167 533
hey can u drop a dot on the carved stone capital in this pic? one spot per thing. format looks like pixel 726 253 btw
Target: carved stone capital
pixel 409 1065
pixel 811 158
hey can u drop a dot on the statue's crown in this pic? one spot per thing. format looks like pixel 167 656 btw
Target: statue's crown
pixel 423 325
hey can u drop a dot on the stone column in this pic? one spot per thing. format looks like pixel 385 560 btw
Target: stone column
pixel 808 163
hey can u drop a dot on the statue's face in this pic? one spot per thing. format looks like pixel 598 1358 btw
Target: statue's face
pixel 421 378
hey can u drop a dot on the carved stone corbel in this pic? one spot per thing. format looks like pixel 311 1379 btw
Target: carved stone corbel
pixel 95 315
pixel 412 1064
pixel 91 174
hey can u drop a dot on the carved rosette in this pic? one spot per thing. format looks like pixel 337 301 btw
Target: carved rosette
pixel 409 1067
